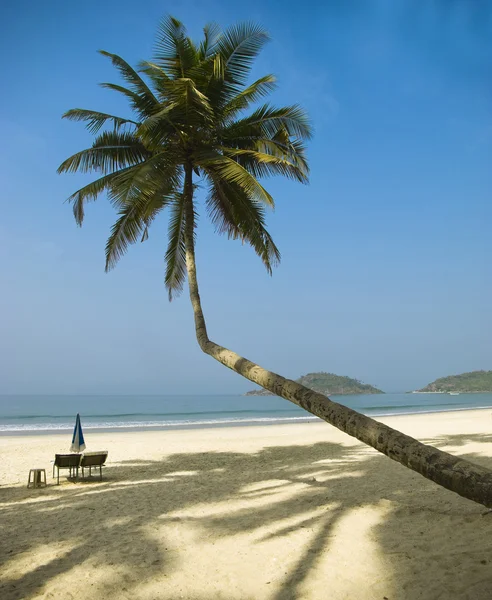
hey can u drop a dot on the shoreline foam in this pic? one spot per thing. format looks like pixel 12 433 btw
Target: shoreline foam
pixel 183 425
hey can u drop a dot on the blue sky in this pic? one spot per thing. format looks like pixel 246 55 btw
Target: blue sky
pixel 385 274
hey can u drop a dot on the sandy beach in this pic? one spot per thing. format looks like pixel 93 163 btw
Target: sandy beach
pixel 278 512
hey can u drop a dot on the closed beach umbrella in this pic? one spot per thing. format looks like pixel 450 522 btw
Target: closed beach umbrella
pixel 78 444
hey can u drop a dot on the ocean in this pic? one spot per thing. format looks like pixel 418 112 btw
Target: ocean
pixel 50 414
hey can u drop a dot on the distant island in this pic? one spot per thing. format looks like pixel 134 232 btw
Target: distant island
pixel 472 383
pixel 328 384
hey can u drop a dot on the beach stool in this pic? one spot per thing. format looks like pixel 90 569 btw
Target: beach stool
pixel 37 479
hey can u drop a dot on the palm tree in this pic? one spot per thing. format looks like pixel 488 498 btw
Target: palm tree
pixel 196 116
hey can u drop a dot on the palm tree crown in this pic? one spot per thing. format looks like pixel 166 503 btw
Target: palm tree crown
pixel 188 119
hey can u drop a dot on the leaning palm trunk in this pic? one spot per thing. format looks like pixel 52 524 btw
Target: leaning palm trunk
pixel 192 120
pixel 456 474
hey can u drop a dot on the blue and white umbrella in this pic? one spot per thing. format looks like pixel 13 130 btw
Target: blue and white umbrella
pixel 78 444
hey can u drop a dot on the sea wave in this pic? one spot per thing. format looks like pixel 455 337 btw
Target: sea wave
pixel 145 414
pixel 20 427
pixel 146 417
pixel 113 421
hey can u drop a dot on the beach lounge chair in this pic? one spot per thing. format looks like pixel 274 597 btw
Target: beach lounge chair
pixel 93 459
pixel 67 461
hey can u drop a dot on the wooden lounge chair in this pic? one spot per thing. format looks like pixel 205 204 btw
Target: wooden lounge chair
pixel 67 461
pixel 93 459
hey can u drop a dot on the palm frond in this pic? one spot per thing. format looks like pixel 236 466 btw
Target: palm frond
pixel 218 67
pixel 129 74
pixel 158 129
pixel 186 107
pixel 139 104
pixel 264 164
pixel 111 150
pixel 282 147
pixel 156 74
pixel 90 192
pixel 127 229
pixel 240 216
pixel 173 49
pixel 139 197
pixel 211 34
pixel 239 45
pixel 186 95
pixel 260 88
pixel 95 119
pixel 158 176
pixel 176 251
pixel 227 69
pixel 233 172
pixel 267 121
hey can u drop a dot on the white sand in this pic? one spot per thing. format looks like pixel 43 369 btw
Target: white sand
pixel 279 512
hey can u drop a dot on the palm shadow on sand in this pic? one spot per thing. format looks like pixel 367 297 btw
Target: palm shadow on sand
pixel 281 492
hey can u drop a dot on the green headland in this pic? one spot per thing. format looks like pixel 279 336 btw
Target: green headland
pixel 328 384
pixel 473 382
